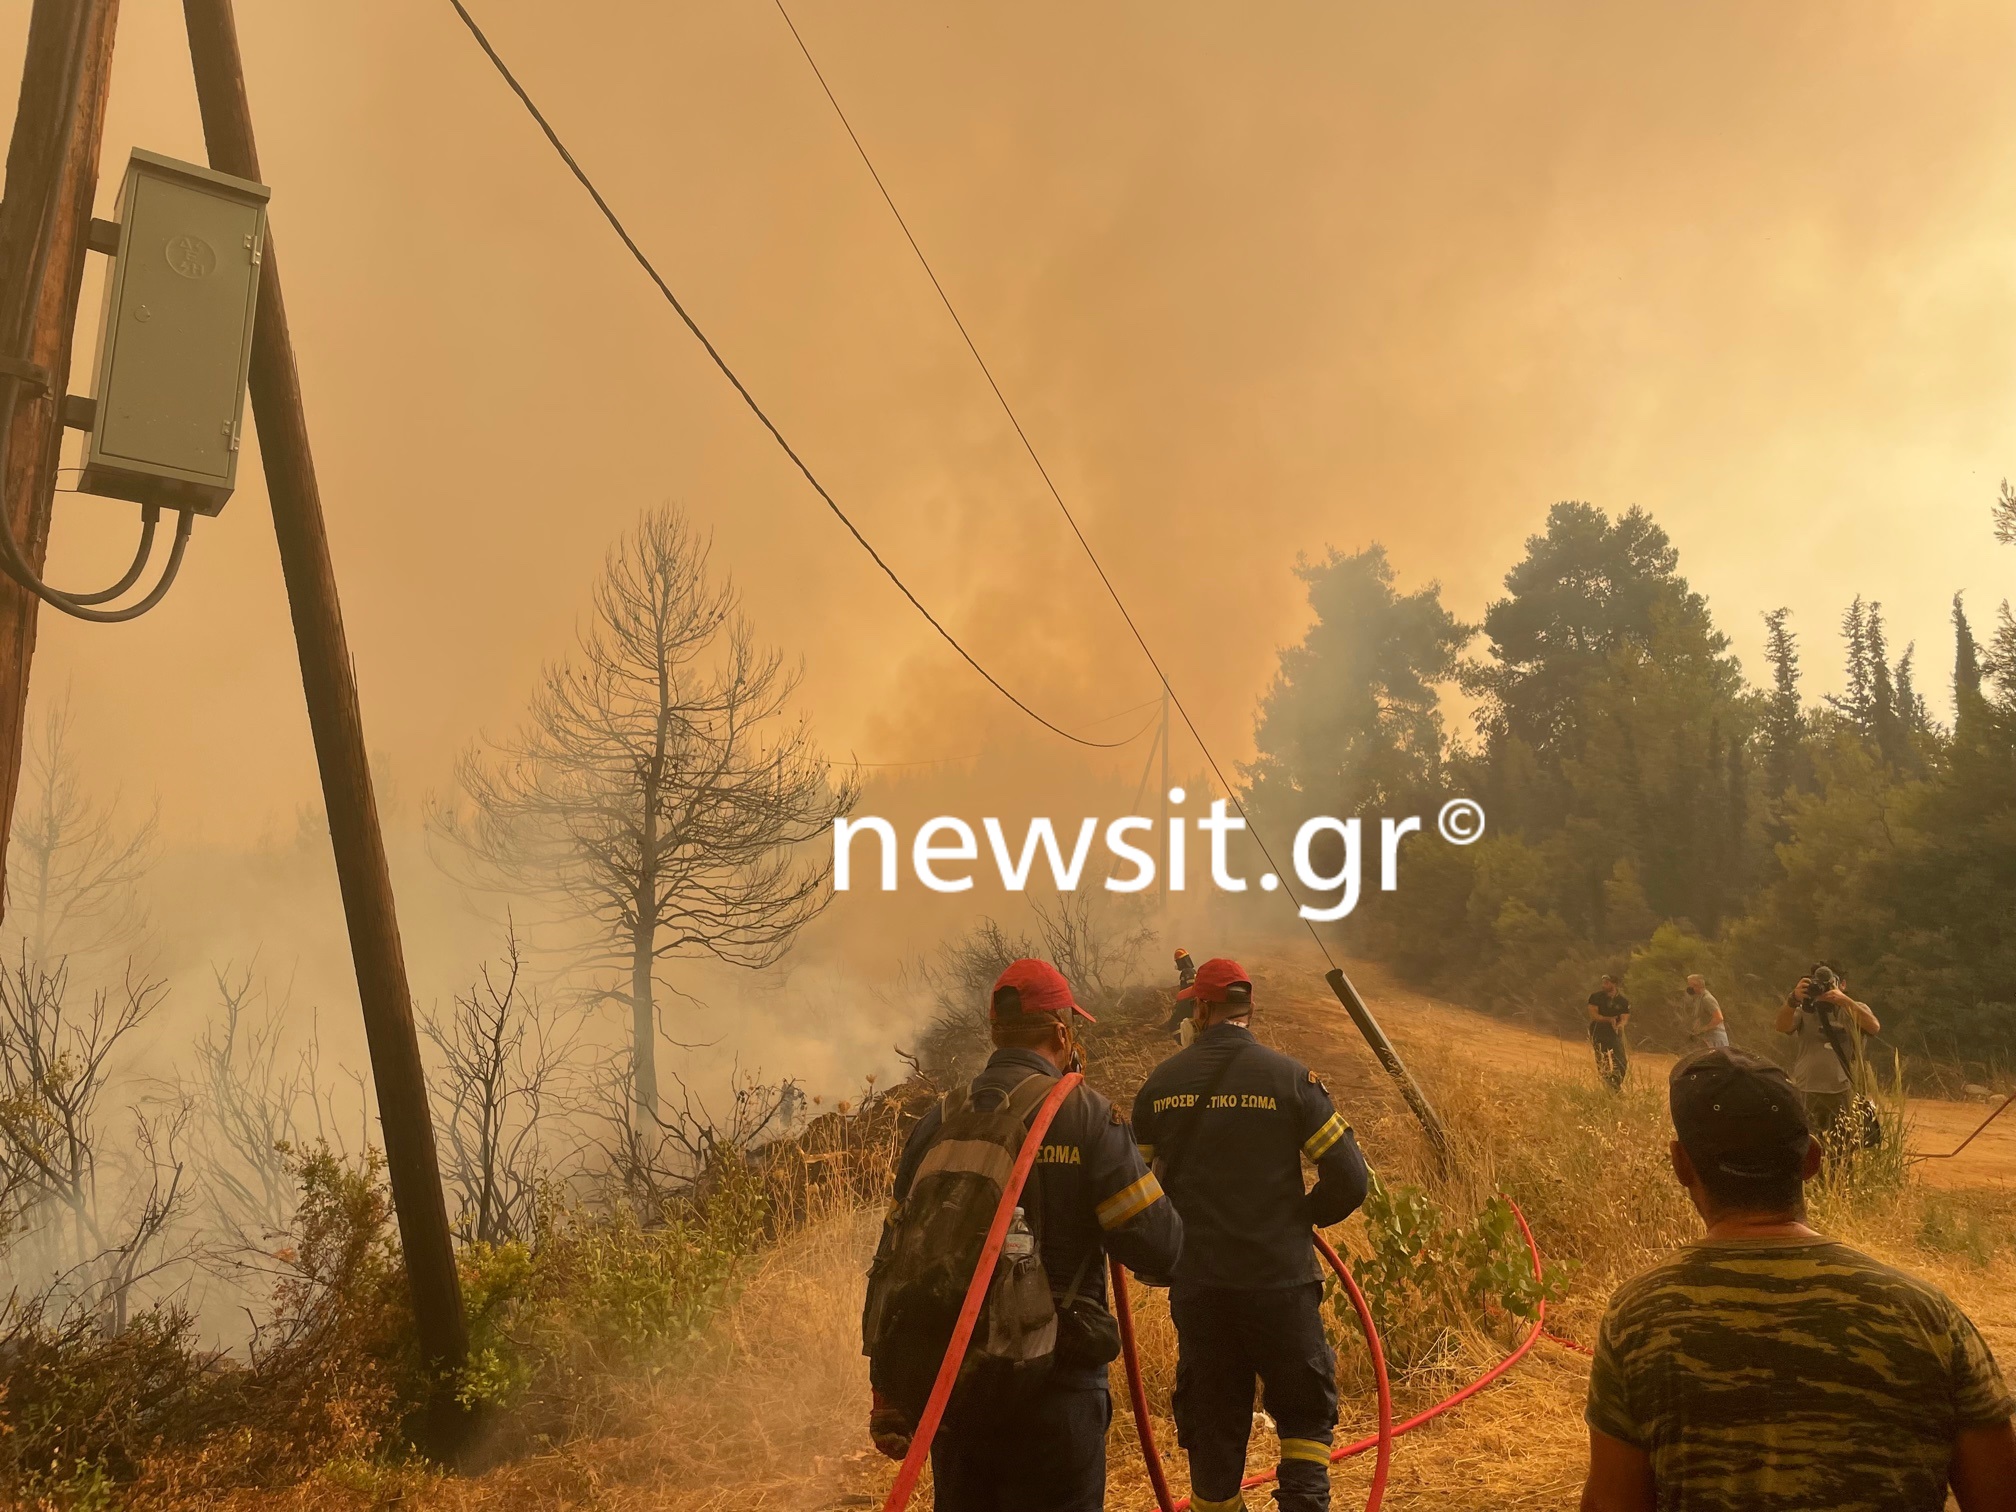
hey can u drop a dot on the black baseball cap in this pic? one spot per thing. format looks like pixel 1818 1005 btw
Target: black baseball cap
pixel 1739 1114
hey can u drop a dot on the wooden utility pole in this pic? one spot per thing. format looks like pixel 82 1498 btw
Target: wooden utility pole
pixel 35 437
pixel 1382 1047
pixel 328 680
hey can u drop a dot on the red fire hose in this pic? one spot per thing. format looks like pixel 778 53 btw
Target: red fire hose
pixel 976 1293
pixel 1123 1313
pixel 1382 1440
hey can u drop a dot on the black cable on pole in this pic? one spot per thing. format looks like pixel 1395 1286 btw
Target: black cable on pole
pixel 749 399
pixel 1048 482
pixel 21 322
pixel 150 521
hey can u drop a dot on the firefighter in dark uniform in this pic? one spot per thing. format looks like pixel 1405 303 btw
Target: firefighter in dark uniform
pixel 1090 1193
pixel 1227 1123
pixel 1179 1013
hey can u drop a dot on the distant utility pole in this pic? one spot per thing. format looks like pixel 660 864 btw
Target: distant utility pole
pixel 37 153
pixel 329 682
pixel 1164 876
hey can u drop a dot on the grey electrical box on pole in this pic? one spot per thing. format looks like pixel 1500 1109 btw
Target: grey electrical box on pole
pixel 177 336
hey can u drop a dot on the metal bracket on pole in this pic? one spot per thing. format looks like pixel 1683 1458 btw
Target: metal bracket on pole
pixel 1347 994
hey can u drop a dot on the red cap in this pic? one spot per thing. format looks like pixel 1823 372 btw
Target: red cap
pixel 1042 989
pixel 1215 980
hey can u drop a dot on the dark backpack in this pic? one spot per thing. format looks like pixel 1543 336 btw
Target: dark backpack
pixel 930 1249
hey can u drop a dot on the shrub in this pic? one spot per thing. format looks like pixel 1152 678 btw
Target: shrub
pixel 82 1408
pixel 1429 1274
pixel 600 1296
pixel 85 1411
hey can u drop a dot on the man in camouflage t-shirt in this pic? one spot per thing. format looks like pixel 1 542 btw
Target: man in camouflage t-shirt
pixel 1768 1369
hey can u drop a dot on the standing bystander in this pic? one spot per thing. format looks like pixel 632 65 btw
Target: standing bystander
pixel 1609 1012
pixel 1767 1368
pixel 1707 1029
pixel 1820 1017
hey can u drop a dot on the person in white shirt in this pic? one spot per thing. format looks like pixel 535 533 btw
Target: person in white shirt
pixel 1706 1028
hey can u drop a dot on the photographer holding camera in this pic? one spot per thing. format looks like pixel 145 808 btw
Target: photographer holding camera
pixel 1820 1015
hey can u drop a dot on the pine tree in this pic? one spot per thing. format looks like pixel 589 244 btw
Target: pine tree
pixel 1784 721
pixel 1966 659
pixel 2005 515
pixel 1911 709
pixel 1857 704
pixel 1710 852
pixel 2000 662
pixel 1737 814
pixel 1886 713
pixel 1970 702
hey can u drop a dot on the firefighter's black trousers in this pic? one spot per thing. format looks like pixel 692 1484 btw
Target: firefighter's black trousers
pixel 1046 1455
pixel 1225 1339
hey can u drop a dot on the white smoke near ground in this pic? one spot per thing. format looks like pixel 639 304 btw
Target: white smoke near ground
pixel 259 928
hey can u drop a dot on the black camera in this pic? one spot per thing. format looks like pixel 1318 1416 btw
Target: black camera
pixel 1819 982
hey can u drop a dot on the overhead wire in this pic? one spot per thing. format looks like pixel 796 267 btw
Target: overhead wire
pixel 1048 482
pixel 928 761
pixel 975 755
pixel 643 261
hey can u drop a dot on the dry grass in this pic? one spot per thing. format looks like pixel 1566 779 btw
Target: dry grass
pixel 773 1417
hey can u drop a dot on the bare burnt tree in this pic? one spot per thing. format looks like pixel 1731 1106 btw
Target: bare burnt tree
pixel 658 1162
pixel 259 1088
pixel 72 867
pixel 956 978
pixel 503 1060
pixel 55 1069
pixel 1095 938
pixel 660 791
pixel 142 1246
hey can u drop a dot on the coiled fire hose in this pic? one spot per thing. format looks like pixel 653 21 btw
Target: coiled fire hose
pixel 1382 1440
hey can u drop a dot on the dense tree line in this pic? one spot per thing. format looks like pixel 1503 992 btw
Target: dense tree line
pixel 1653 810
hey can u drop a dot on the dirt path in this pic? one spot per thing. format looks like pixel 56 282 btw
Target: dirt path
pixel 1299 1008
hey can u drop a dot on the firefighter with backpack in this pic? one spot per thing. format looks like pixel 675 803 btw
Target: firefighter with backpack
pixel 1026 1426
pixel 1228 1124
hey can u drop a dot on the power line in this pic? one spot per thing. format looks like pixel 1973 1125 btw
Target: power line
pixel 928 761
pixel 975 755
pixel 1130 709
pixel 749 399
pixel 1048 482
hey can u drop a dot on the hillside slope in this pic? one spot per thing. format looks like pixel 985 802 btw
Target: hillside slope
pixel 774 1422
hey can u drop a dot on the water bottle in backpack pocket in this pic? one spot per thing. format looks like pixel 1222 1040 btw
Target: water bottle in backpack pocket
pixel 930 1247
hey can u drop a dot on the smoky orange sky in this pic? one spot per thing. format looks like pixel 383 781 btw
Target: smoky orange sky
pixel 1261 279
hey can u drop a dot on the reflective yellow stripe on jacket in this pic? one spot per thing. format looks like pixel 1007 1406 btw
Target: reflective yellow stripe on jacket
pixel 1318 1144
pixel 1129 1202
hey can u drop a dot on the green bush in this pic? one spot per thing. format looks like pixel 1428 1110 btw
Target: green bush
pixel 1429 1274
pixel 600 1295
